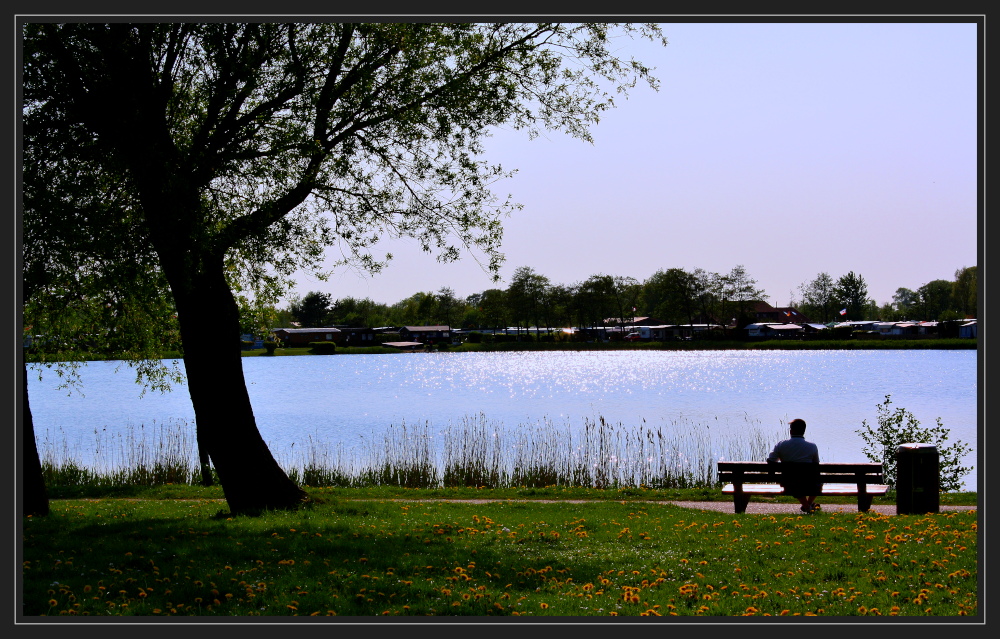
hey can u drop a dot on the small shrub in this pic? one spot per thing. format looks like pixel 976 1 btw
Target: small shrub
pixel 323 348
pixel 270 346
pixel 899 426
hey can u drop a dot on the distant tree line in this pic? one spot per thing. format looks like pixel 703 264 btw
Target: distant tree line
pixel 674 296
pixel 938 300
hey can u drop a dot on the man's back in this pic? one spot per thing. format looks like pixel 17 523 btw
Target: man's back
pixel 795 450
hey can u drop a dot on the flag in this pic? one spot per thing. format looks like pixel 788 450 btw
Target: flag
pixel 843 311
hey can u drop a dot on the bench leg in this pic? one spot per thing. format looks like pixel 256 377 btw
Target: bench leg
pixel 740 503
pixel 864 502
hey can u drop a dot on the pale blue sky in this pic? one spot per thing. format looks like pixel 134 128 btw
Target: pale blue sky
pixel 791 149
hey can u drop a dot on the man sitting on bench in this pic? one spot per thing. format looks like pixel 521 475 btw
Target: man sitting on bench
pixel 799 466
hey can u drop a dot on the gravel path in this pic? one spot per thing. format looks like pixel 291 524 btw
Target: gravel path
pixel 761 508
pixel 758 508
pixel 754 508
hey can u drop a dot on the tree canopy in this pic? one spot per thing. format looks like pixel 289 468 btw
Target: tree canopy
pixel 303 136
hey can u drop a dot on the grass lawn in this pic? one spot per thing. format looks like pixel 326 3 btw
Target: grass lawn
pixel 371 556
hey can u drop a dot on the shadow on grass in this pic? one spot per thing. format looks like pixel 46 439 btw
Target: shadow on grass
pixel 340 556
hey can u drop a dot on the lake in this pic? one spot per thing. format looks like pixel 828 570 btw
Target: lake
pixel 348 400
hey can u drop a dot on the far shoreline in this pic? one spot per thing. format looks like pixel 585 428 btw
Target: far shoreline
pixel 705 345
pixel 853 344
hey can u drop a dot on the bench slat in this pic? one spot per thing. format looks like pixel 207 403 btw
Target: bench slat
pixel 824 477
pixel 828 489
pixel 835 466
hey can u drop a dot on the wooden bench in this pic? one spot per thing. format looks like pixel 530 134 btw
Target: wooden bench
pixel 744 479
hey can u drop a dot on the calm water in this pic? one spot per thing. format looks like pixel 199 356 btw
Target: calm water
pixel 348 399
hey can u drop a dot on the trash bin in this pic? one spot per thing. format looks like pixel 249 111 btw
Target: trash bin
pixel 917 482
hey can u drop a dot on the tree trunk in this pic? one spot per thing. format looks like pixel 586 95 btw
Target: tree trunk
pixel 171 186
pixel 35 497
pixel 227 430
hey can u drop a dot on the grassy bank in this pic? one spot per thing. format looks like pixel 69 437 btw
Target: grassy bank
pixel 398 559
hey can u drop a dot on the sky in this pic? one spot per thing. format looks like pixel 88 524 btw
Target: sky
pixel 791 149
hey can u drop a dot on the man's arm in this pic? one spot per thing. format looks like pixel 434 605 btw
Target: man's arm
pixel 774 456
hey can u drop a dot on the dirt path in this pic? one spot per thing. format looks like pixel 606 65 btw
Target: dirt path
pixel 766 508
pixel 754 508
pixel 760 508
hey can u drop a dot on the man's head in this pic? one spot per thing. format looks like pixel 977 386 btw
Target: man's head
pixel 797 427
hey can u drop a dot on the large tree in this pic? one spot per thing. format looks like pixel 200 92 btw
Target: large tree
pixel 670 296
pixel 739 295
pixel 313 310
pixel 626 291
pixel 447 305
pixel 965 291
pixel 594 300
pixel 525 296
pixel 272 142
pixel 933 299
pixel 556 302
pixel 706 287
pixel 819 297
pixel 904 301
pixel 416 310
pixel 492 308
pixel 851 293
